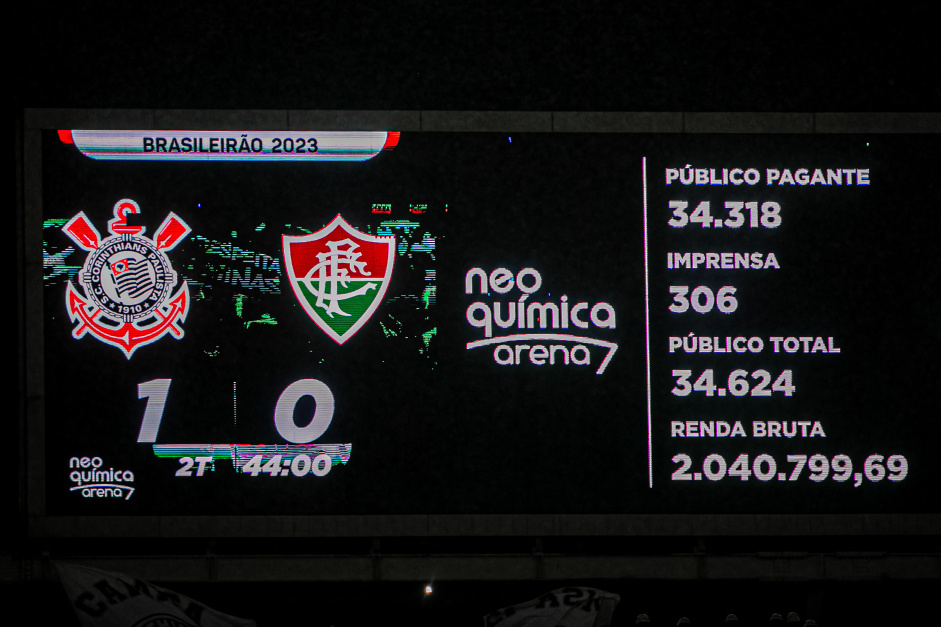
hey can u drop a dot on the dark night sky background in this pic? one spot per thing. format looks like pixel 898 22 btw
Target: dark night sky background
pixel 420 55
pixel 563 56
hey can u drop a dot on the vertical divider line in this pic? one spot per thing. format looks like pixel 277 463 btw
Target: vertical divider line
pixel 643 165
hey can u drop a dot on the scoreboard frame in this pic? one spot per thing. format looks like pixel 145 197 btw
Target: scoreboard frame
pixel 32 391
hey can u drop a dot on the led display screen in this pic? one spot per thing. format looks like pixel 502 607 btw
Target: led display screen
pixel 246 323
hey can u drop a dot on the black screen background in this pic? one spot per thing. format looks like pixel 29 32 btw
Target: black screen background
pixel 455 433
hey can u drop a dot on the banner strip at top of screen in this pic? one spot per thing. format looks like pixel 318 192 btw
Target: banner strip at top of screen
pixel 155 145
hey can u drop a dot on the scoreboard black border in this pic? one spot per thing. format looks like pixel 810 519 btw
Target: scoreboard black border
pixel 31 390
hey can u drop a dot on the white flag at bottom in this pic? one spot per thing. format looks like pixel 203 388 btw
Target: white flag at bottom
pixel 105 599
pixel 565 607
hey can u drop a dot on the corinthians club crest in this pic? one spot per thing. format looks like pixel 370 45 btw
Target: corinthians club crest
pixel 127 280
pixel 339 275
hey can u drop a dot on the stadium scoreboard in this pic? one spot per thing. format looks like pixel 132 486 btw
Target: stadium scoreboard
pixel 319 323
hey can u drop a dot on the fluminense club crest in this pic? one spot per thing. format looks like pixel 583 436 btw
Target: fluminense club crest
pixel 339 275
pixel 127 281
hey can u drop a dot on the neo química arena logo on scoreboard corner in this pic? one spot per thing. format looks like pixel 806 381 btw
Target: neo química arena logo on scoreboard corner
pixel 91 480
